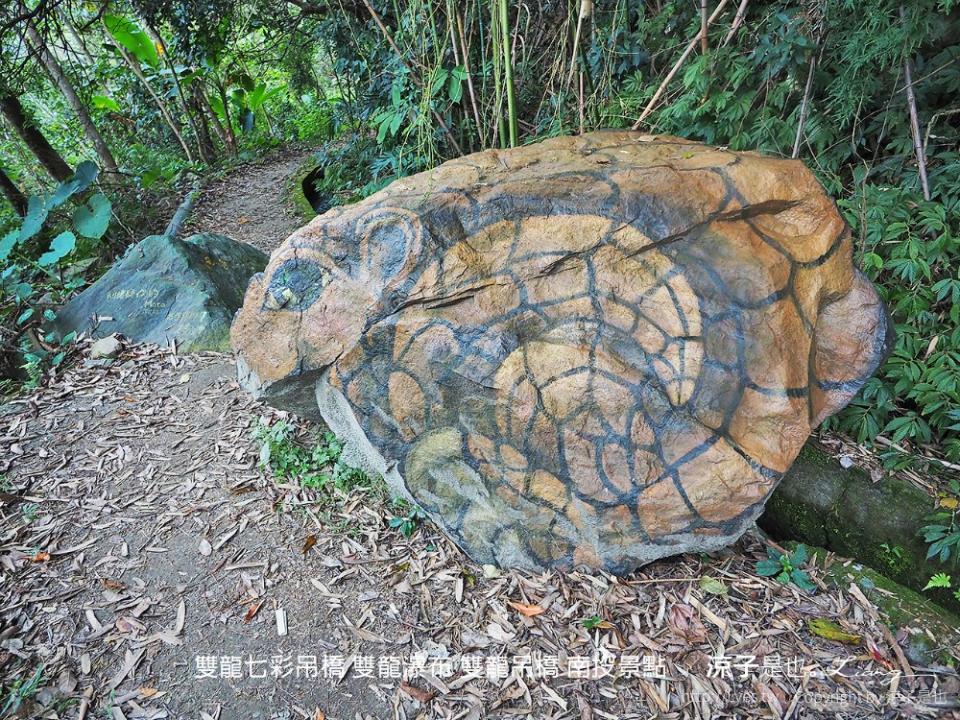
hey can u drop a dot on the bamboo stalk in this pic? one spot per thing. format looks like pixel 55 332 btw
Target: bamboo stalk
pixel 217 125
pixel 586 9
pixel 915 118
pixel 673 71
pixel 580 105
pixel 804 106
pixel 500 126
pixel 508 72
pixel 158 40
pixel 737 21
pixel 60 79
pixel 466 66
pixel 413 74
pixel 915 129
pixel 703 26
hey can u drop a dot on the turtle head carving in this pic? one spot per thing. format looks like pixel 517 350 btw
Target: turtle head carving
pixel 331 276
pixel 592 351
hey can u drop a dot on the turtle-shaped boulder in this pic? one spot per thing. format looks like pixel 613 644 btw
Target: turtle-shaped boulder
pixel 595 350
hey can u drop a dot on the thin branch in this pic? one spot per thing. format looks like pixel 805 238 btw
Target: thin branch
pixel 933 120
pixel 586 9
pixel 915 119
pixel 413 74
pixel 804 106
pixel 25 14
pixel 737 21
pixel 466 66
pixel 673 71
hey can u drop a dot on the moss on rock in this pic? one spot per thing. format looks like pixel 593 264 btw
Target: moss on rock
pixel 294 189
pixel 820 503
pixel 932 631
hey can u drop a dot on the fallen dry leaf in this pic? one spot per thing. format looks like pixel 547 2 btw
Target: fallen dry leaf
pixel 416 693
pixel 309 543
pixel 685 624
pixel 527 610
pixel 252 611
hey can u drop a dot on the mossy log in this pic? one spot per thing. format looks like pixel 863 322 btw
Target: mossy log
pixel 820 503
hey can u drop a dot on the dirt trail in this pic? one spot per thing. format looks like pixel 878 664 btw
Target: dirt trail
pixel 145 556
pixel 252 203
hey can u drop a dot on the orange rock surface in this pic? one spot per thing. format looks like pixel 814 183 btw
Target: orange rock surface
pixel 594 350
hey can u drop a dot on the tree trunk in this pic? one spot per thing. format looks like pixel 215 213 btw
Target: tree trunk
pixel 13 194
pixel 107 163
pixel 205 140
pixel 228 124
pixel 161 106
pixel 50 159
pixel 225 138
pixel 76 37
pixel 158 40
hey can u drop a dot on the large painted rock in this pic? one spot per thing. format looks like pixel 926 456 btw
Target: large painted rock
pixel 597 350
pixel 165 289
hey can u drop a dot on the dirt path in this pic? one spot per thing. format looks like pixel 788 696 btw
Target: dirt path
pixel 252 203
pixel 145 557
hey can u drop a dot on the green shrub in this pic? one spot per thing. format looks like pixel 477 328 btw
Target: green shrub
pixel 41 262
pixel 911 249
pixel 318 467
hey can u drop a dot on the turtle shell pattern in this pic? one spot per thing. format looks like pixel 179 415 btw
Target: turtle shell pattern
pixel 592 351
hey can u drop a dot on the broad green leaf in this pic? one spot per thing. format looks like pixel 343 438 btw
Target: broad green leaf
pixel 25 315
pixel 257 95
pixel 85 174
pixel 93 218
pixel 454 88
pixel 8 243
pixel 133 38
pixel 102 102
pixel 217 104
pixel 149 177
pixel 83 177
pixel 36 215
pixel 22 291
pixel 61 246
pixel 802 580
pixel 799 556
pixel 769 568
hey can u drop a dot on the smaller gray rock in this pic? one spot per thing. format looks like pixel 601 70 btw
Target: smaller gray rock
pixel 166 289
pixel 107 347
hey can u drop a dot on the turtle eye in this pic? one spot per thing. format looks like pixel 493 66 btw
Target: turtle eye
pixel 295 285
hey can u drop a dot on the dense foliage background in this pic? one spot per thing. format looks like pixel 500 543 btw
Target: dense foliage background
pixel 156 93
